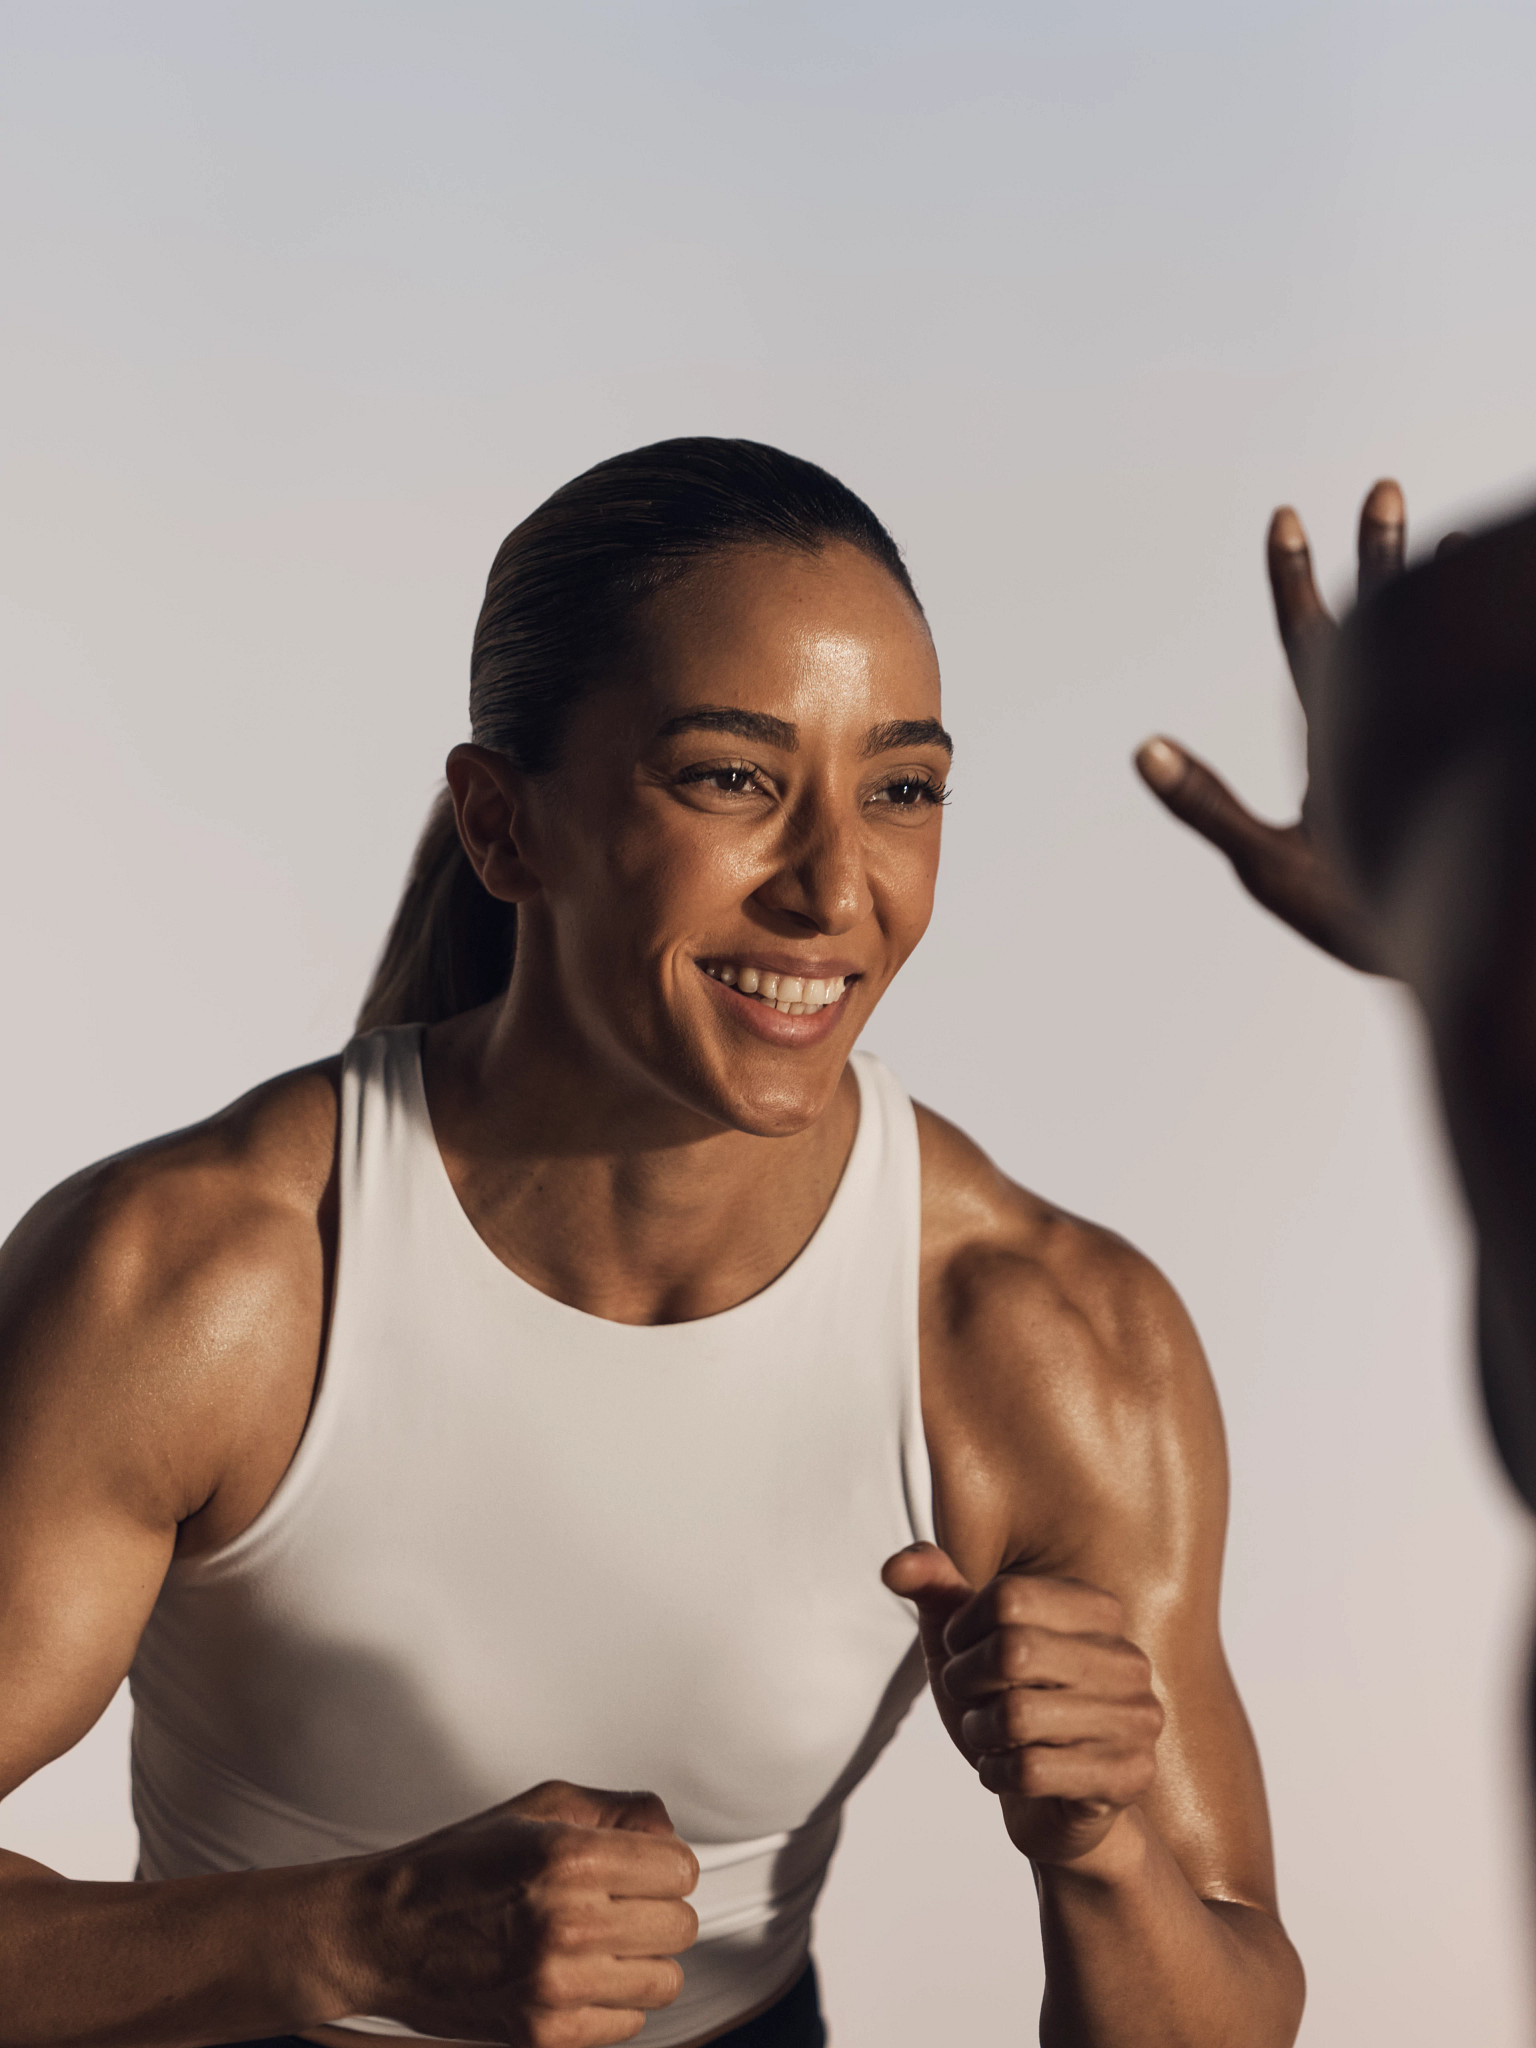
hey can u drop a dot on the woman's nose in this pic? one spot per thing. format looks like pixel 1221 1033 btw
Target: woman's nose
pixel 821 879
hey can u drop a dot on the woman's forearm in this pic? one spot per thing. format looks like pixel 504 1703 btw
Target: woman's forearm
pixel 175 1965
pixel 1135 1958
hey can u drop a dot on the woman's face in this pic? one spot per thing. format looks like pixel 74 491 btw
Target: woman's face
pixel 738 849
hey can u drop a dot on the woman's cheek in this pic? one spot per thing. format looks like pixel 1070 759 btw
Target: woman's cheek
pixel 903 883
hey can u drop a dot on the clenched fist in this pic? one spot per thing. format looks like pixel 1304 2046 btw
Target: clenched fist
pixel 1041 1693
pixel 554 1921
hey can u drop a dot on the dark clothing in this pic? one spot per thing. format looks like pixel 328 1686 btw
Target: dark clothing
pixel 794 2022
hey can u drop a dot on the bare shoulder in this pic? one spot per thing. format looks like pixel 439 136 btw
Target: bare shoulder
pixel 1065 1391
pixel 160 1304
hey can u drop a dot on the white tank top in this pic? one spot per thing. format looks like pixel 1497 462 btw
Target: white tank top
pixel 521 1542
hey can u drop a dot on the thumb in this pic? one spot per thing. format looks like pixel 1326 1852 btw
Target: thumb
pixel 1200 799
pixel 585 1806
pixel 930 1578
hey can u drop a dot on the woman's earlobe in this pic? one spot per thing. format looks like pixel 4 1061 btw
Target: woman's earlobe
pixel 487 791
pixel 504 873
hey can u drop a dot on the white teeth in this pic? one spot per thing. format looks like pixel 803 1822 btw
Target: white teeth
pixel 792 995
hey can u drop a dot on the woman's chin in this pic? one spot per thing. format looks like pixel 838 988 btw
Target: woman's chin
pixel 771 1097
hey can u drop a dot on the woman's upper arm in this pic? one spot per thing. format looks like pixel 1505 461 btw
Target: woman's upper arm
pixel 87 1503
pixel 1076 1432
pixel 1137 1503
pixel 1157 1542
pixel 160 1326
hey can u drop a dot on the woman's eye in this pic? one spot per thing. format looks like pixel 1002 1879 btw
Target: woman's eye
pixel 907 792
pixel 729 781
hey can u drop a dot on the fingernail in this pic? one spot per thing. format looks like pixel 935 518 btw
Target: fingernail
pixel 1384 503
pixel 1286 531
pixel 1160 762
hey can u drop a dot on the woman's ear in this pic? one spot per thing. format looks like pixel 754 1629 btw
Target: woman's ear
pixel 488 801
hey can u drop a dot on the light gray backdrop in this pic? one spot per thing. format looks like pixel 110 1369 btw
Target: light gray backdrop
pixel 306 304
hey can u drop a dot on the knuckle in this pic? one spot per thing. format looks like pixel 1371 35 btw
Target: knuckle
pixel 1010 1599
pixel 1111 1611
pixel 548 1797
pixel 563 1935
pixel 560 1841
pixel 549 1981
pixel 669 1979
pixel 1019 1715
pixel 1128 1674
pixel 573 1858
pixel 1033 1773
pixel 1017 1651
pixel 1132 1778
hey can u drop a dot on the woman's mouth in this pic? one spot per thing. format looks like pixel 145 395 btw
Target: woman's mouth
pixel 794 995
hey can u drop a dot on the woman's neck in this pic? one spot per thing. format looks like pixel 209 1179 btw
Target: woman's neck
pixel 615 1199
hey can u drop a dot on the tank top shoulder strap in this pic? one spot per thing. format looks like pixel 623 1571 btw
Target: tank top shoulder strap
pixel 396 1201
pixel 886 1209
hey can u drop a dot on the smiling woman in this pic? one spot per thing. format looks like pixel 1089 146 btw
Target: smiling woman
pixel 601 1375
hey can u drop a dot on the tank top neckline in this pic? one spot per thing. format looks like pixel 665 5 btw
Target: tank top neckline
pixel 446 1199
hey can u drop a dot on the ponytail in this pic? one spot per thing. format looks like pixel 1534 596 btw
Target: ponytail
pixel 559 605
pixel 450 946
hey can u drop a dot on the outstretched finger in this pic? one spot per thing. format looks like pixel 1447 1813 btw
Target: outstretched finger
pixel 1200 799
pixel 1306 625
pixel 1383 531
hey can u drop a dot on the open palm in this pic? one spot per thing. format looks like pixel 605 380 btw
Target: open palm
pixel 1282 866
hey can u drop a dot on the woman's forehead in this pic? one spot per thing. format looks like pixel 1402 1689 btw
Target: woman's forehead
pixel 828 633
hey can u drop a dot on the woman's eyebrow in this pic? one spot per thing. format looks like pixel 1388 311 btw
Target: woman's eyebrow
pixel 746 725
pixel 906 732
pixel 768 731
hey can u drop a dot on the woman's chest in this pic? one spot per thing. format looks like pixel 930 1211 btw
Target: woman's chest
pixel 581 1577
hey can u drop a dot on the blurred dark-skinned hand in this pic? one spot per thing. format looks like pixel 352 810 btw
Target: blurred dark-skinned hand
pixel 1417 844
pixel 1285 867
